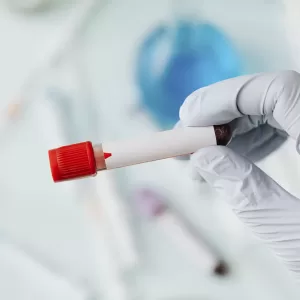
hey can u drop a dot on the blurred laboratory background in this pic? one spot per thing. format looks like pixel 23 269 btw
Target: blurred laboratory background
pixel 102 70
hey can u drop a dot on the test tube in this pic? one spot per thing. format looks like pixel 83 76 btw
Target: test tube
pixel 85 159
pixel 151 205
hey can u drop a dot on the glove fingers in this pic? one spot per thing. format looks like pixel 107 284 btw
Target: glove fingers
pixel 227 100
pixel 239 178
pixel 274 96
pixel 270 211
pixel 230 174
pixel 255 145
pixel 258 143
pixel 252 138
pixel 247 123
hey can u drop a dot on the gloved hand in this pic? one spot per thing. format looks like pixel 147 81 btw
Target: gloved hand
pixel 261 108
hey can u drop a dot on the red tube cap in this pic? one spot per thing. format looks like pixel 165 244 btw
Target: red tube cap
pixel 72 162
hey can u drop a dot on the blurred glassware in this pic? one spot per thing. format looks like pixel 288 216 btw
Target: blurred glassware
pixel 51 58
pixel 58 93
pixel 153 205
pixel 175 60
pixel 65 111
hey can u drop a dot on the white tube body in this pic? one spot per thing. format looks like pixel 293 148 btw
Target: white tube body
pixel 160 145
pixel 196 250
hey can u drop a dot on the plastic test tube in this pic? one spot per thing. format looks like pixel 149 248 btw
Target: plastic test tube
pixel 151 205
pixel 85 159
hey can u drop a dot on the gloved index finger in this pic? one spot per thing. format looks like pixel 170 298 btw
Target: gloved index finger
pixel 262 96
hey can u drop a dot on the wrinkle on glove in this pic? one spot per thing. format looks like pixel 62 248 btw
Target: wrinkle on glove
pixel 271 212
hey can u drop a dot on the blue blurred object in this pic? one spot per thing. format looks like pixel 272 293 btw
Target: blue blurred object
pixel 175 61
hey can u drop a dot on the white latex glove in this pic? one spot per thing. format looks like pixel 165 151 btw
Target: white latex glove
pixel 260 108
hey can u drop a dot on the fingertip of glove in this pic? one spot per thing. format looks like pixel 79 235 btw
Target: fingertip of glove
pixel 188 110
pixel 178 125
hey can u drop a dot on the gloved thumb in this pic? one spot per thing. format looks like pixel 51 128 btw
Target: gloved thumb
pixel 271 212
